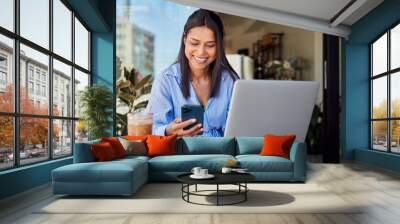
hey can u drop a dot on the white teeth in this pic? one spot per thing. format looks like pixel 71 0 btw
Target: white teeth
pixel 200 59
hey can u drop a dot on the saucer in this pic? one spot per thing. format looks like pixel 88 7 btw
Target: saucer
pixel 208 176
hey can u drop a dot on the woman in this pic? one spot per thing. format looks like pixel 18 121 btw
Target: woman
pixel 201 76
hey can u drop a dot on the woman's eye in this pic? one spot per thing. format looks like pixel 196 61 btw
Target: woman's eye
pixel 211 45
pixel 194 44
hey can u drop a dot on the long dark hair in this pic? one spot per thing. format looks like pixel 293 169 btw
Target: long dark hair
pixel 212 21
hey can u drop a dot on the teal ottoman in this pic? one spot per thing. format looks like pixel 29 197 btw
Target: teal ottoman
pixel 118 177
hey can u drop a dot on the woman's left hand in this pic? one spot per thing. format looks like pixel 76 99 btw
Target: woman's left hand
pixel 176 127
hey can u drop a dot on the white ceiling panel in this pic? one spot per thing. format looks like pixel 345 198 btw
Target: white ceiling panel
pixel 321 9
pixel 314 15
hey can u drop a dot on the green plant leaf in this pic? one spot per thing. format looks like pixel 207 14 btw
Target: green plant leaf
pixel 97 102
pixel 126 97
pixel 143 82
pixel 123 84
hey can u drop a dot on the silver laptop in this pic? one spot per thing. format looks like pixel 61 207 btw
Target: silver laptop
pixel 260 107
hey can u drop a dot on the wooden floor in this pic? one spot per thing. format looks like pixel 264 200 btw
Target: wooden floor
pixel 377 188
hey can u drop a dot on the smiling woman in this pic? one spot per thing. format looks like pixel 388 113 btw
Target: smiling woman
pixel 201 76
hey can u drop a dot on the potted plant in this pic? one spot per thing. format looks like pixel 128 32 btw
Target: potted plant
pixel 96 102
pixel 133 94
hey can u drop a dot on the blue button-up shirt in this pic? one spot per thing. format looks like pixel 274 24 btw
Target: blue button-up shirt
pixel 167 99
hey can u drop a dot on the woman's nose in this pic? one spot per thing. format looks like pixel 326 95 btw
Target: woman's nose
pixel 202 49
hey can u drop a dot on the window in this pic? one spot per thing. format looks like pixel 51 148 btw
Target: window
pixel 43 77
pixel 35 22
pixel 81 45
pixel 81 81
pixel 62 75
pixel 7 86
pixel 7 14
pixel 3 72
pixel 30 87
pixel 44 91
pixel 3 61
pixel 62 29
pixel 38 89
pixel 385 91
pixel 3 78
pixel 30 72
pixel 54 126
pixel 62 130
pixel 37 74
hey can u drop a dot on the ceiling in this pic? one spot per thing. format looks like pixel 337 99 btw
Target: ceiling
pixel 321 9
pixel 326 16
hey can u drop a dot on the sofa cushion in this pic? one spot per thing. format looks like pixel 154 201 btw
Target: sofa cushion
pixel 185 163
pixel 103 152
pixel 111 171
pixel 206 145
pixel 116 145
pixel 249 145
pixel 257 163
pixel 277 145
pixel 134 147
pixel 161 145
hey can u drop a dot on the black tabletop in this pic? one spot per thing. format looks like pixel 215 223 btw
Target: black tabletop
pixel 220 178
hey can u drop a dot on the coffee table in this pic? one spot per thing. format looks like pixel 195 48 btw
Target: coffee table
pixel 238 179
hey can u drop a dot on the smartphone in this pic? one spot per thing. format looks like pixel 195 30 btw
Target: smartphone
pixel 189 111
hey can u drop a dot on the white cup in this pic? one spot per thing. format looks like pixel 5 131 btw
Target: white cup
pixel 226 170
pixel 196 171
pixel 203 172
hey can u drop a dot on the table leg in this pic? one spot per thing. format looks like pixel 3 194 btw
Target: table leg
pixel 196 188
pixel 245 193
pixel 188 190
pixel 217 194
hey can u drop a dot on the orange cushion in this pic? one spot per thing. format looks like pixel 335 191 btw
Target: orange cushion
pixel 116 145
pixel 103 152
pixel 277 145
pixel 135 137
pixel 161 145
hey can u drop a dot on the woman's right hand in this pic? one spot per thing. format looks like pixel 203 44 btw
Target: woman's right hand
pixel 176 127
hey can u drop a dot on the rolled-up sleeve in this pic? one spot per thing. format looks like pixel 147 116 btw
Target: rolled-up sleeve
pixel 160 104
pixel 229 89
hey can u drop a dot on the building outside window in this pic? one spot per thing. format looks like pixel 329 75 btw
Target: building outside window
pixel 34 68
pixel 385 91
pixel 3 72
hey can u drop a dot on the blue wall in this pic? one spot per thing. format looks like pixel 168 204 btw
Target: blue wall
pixel 355 83
pixel 100 17
pixel 103 52
pixel 24 178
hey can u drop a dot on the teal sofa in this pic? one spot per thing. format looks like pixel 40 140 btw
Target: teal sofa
pixel 125 176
